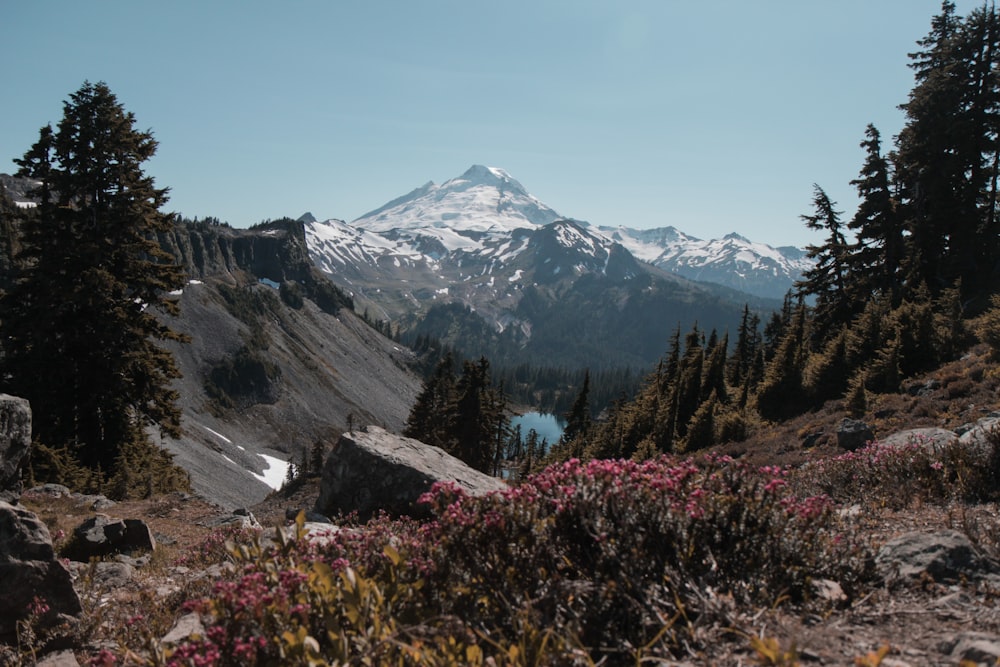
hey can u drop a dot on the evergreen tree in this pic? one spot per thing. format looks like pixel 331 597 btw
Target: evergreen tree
pixel 80 327
pixel 947 153
pixel 578 418
pixel 687 393
pixel 714 380
pixel 828 279
pixel 478 419
pixel 430 417
pixel 878 255
pixel 782 394
pixel 748 342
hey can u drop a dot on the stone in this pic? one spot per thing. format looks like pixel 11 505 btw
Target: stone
pixel 982 435
pixel 59 659
pixel 187 627
pixel 241 519
pixel 853 434
pixel 933 438
pixel 51 490
pixel 112 574
pixel 29 569
pixel 974 647
pixel 101 536
pixel 945 556
pixel 829 591
pixel 372 470
pixel 15 442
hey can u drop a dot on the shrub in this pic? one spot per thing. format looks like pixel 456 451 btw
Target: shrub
pixel 896 475
pixel 609 561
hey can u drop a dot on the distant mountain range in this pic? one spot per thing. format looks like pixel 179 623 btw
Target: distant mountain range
pixel 481 263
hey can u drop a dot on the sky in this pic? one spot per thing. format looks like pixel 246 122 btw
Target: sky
pixel 712 117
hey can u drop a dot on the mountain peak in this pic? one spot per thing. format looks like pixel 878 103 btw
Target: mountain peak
pixel 483 200
pixel 480 175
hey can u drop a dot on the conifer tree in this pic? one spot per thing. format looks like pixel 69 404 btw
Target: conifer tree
pixel 430 417
pixel 781 394
pixel 714 380
pixel 828 279
pixel 687 396
pixel 578 418
pixel 876 259
pixel 748 342
pixel 80 327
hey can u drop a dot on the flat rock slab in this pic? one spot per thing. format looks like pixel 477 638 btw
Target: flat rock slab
pixel 946 556
pixel 933 438
pixel 372 470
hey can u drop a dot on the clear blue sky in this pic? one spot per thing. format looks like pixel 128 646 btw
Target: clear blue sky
pixel 709 116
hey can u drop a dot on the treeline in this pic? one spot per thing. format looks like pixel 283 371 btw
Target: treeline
pixel 547 389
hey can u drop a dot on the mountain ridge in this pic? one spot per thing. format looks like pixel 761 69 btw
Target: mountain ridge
pixel 481 240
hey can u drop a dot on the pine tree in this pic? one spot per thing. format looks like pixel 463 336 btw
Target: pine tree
pixel 81 325
pixel 430 417
pixel 748 342
pixel 876 259
pixel 714 379
pixel 948 153
pixel 782 394
pixel 578 418
pixel 828 279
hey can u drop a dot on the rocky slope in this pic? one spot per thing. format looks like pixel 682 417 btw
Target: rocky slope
pixel 277 361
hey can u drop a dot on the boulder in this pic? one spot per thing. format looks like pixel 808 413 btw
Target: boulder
pixel 371 469
pixel 101 536
pixel 982 435
pixel 29 569
pixel 933 438
pixel 945 556
pixel 15 441
pixel 972 647
pixel 853 434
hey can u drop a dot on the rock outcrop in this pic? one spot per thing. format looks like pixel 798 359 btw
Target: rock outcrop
pixel 944 556
pixel 854 434
pixel 15 441
pixel 102 536
pixel 29 569
pixel 371 469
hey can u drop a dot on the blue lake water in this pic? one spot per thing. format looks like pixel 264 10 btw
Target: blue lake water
pixel 547 426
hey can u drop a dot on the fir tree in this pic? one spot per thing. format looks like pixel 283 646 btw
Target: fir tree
pixel 876 259
pixel 430 417
pixel 80 327
pixel 578 418
pixel 828 279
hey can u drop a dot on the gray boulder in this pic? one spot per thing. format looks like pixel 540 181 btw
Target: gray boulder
pixel 371 470
pixel 945 556
pixel 853 434
pixel 101 536
pixel 15 441
pixel 932 438
pixel 982 435
pixel 29 569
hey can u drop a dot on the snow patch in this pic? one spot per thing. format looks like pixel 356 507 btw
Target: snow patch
pixel 217 434
pixel 275 472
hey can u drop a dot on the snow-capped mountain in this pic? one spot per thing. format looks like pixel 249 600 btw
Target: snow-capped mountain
pixel 733 260
pixel 482 201
pixel 483 242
